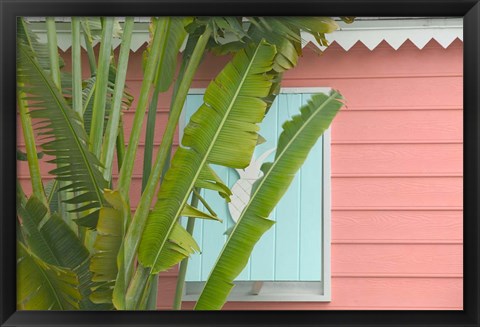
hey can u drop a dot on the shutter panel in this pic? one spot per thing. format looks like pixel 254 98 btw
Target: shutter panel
pixel 291 249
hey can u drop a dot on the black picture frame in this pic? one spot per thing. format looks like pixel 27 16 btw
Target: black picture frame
pixel 468 9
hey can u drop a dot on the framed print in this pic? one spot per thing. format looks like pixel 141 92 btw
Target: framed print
pixel 239 163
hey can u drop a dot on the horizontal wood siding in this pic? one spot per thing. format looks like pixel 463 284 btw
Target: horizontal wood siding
pixel 396 174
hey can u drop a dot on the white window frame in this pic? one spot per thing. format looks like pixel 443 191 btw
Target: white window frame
pixel 285 291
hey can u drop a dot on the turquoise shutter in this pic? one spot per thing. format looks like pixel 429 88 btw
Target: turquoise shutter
pixel 291 250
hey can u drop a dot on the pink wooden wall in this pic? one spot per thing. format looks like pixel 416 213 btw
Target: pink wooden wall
pixel 396 174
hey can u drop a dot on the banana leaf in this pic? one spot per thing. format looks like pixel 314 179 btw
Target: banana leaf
pixel 223 131
pixel 106 260
pixel 50 239
pixel 43 286
pixel 297 139
pixel 64 138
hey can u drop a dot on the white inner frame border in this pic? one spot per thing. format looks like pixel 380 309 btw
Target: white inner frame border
pixel 285 291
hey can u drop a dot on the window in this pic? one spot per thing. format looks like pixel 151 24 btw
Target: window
pixel 291 262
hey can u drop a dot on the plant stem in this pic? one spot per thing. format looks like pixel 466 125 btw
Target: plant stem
pixel 134 233
pixel 76 67
pixel 205 203
pixel 120 144
pixel 152 110
pixel 124 179
pixel 77 87
pixel 53 52
pixel 89 45
pixel 149 136
pixel 147 293
pixel 182 272
pixel 152 296
pixel 31 149
pixel 114 117
pixel 55 72
pixel 152 300
pixel 147 167
pixel 100 98
pixel 137 287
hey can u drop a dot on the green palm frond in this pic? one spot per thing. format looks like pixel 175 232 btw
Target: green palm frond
pixel 65 137
pixel 297 139
pixel 51 240
pixel 179 245
pixel 106 260
pixel 288 48
pixel 43 286
pixel 285 34
pixel 172 40
pixel 223 131
pixel 289 27
pixel 26 35
pixel 88 94
pixel 220 26
pixel 173 34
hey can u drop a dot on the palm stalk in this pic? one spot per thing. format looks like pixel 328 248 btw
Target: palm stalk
pixel 223 132
pixel 137 289
pixel 120 144
pixel 182 272
pixel 53 52
pixel 111 132
pixel 77 95
pixel 89 46
pixel 163 81
pixel 174 36
pixel 55 73
pixel 100 98
pixel 125 175
pixel 149 137
pixel 152 115
pixel 132 238
pixel 125 266
pixel 31 148
pixel 151 303
pixel 77 66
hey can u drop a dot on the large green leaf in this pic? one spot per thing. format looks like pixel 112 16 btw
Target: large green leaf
pixel 107 264
pixel 219 26
pixel 172 40
pixel 223 131
pixel 26 35
pixel 288 48
pixel 50 239
pixel 43 286
pixel 285 33
pixel 289 27
pixel 190 62
pixel 88 93
pixel 65 137
pixel 297 139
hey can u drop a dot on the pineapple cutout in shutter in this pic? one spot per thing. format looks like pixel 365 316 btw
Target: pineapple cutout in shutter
pixel 243 187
